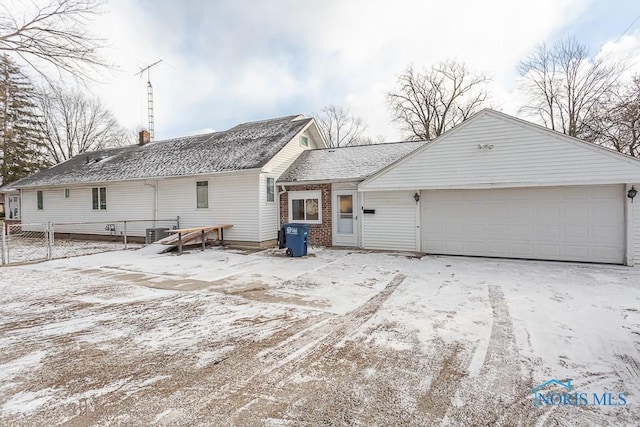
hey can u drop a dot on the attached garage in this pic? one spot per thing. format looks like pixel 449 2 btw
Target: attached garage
pixel 498 186
pixel 580 223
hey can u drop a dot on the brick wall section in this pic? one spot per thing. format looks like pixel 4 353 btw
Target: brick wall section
pixel 319 234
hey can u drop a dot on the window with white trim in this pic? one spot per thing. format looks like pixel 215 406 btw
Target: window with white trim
pixel 40 200
pixel 99 198
pixel 67 193
pixel 202 194
pixel 304 141
pixel 305 207
pixel 271 189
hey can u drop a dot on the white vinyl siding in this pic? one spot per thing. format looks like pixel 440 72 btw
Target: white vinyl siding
pixel 288 154
pixel 522 156
pixel 130 201
pixel 236 197
pixel 581 223
pixel 636 227
pixel 393 226
pixel 236 203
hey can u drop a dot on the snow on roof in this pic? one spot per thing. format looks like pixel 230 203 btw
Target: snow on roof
pixel 246 146
pixel 346 163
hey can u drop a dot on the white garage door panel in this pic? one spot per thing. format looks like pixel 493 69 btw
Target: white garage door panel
pixel 584 223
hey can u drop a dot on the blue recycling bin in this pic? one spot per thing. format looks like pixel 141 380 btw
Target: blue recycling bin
pixel 296 238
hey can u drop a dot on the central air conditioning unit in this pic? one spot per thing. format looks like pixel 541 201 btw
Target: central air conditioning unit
pixel 155 234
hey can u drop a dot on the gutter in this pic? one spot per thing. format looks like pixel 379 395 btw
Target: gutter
pixel 155 201
pixel 280 193
pixel 90 183
pixel 323 181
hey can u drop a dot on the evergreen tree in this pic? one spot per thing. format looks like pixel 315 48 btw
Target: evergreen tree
pixel 21 151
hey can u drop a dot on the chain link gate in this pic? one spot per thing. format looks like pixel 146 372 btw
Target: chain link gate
pixel 33 242
pixel 26 242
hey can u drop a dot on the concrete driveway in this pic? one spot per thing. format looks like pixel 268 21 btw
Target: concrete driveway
pixel 222 337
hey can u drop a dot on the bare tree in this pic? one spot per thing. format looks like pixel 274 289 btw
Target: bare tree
pixel 73 123
pixel 566 86
pixel 369 140
pixel 52 31
pixel 618 120
pixel 429 103
pixel 338 127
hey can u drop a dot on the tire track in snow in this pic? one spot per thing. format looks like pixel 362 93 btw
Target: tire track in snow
pixel 277 365
pixel 500 383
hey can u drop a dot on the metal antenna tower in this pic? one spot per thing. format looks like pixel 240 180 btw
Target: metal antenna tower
pixel 149 95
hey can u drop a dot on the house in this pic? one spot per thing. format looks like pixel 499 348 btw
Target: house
pixel 320 189
pixel 493 186
pixel 499 186
pixel 219 177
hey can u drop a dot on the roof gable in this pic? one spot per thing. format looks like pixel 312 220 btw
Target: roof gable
pixel 493 149
pixel 246 146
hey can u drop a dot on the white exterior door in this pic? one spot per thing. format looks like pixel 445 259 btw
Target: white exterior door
pixel 576 223
pixel 345 218
pixel 13 207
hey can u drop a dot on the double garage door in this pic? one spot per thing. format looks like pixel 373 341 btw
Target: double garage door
pixel 577 223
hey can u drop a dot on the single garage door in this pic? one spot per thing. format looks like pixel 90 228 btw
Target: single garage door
pixel 577 223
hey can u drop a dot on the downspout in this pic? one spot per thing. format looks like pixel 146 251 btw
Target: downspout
pixel 284 190
pixel 155 201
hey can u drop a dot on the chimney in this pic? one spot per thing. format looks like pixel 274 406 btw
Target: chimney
pixel 144 137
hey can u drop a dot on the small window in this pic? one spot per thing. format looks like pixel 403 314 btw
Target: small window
pixel 304 141
pixel 305 206
pixel 40 200
pixel 202 194
pixel 271 190
pixel 67 193
pixel 99 198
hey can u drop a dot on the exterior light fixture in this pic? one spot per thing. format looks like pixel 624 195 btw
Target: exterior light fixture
pixel 632 193
pixel 416 197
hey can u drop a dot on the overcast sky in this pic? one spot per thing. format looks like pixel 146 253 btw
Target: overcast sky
pixel 227 62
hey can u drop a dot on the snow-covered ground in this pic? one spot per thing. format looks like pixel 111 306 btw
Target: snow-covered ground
pixel 223 337
pixel 26 249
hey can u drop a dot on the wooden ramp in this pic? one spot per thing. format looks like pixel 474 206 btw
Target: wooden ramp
pixel 193 236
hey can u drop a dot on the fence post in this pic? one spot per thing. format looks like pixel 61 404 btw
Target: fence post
pixel 4 245
pixel 8 239
pixel 49 234
pixel 178 222
pixel 125 235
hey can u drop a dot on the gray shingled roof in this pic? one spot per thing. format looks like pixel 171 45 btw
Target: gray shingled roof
pixel 346 163
pixel 246 146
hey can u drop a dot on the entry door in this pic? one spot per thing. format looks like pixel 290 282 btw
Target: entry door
pixel 13 211
pixel 345 219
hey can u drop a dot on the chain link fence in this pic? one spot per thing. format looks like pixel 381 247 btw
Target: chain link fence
pixel 38 242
